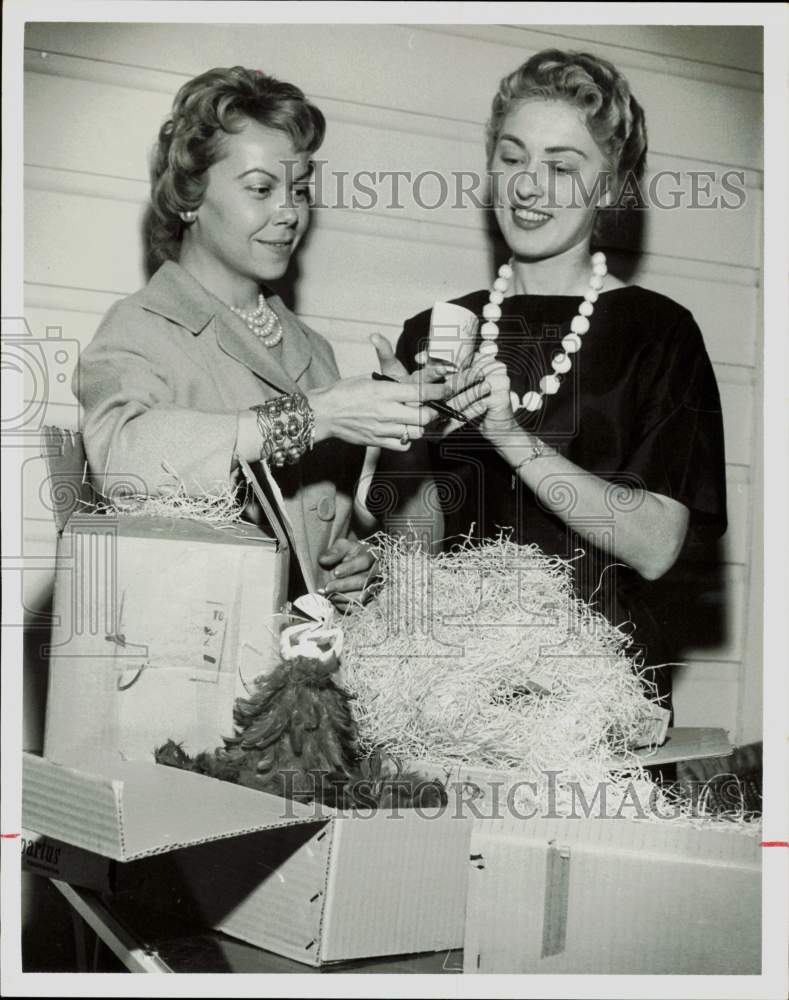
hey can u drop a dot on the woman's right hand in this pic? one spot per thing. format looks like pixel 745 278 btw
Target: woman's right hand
pixel 366 412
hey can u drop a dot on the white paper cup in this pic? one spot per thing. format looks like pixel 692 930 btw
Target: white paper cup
pixel 453 330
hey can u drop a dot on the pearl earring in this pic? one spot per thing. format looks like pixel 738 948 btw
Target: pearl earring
pixel 188 217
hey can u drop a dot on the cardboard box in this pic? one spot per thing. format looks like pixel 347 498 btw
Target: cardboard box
pixel 158 622
pixel 315 886
pixel 310 884
pixel 612 896
pixel 42 855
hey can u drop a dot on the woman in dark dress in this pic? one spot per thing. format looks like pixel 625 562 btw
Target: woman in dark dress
pixel 597 427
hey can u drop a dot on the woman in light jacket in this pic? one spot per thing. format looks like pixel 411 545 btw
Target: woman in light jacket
pixel 205 365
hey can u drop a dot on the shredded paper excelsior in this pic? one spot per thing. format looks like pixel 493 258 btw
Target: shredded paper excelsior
pixel 483 656
pixel 218 509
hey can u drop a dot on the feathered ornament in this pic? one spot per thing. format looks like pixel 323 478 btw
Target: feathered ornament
pixel 296 736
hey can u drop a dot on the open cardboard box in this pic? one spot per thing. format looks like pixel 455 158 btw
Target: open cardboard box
pixel 306 882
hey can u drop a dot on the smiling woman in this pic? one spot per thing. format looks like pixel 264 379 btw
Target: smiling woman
pixel 549 180
pixel 254 212
pixel 597 427
pixel 206 366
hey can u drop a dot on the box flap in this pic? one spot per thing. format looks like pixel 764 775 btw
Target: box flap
pixel 715 843
pixel 67 469
pixel 397 884
pixel 131 809
pixel 687 743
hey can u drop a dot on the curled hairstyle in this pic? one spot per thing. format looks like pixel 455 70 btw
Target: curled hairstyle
pixel 614 117
pixel 204 111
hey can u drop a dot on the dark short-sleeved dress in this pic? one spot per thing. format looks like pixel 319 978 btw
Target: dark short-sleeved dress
pixel 639 408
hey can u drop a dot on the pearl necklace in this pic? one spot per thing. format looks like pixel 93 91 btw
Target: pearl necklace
pixel 571 344
pixel 263 321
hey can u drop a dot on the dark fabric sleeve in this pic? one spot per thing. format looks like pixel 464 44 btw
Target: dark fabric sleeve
pixel 399 474
pixel 678 447
pixel 413 339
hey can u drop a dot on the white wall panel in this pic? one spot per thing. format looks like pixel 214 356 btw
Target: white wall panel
pixel 405 67
pixel 703 52
pixel 737 405
pixel 706 695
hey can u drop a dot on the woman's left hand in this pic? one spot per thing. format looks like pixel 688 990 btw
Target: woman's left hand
pixel 472 384
pixel 483 393
pixel 433 372
pixel 352 579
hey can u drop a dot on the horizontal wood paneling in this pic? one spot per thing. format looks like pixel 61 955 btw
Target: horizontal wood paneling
pixel 703 52
pixel 115 93
pixel 391 136
pixel 737 406
pixel 394 273
pixel 425 68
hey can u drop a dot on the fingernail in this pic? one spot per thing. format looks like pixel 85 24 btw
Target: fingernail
pixel 321 590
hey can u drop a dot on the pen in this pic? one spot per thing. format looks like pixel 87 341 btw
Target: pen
pixel 442 408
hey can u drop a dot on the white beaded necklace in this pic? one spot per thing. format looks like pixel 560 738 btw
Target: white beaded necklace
pixel 263 321
pixel 571 344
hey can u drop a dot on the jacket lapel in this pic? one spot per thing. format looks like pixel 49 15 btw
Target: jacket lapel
pixel 236 340
pixel 176 295
pixel 296 350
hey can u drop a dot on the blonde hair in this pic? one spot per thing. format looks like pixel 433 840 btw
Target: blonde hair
pixel 614 117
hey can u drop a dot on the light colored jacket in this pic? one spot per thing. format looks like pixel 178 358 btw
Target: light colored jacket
pixel 162 382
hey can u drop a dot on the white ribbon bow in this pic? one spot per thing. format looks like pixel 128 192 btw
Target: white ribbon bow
pixel 318 639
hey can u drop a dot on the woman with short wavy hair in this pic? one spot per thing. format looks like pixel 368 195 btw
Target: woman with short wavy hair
pixel 599 436
pixel 216 104
pixel 206 366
